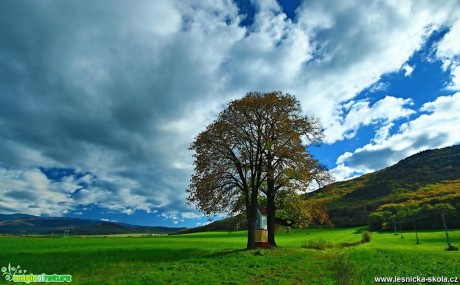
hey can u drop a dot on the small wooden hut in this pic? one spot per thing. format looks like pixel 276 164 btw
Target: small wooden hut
pixel 261 227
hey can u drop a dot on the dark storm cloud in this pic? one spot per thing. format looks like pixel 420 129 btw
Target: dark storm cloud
pixel 20 195
pixel 78 75
pixel 88 85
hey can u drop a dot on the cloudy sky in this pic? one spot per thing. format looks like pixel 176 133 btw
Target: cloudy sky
pixel 99 100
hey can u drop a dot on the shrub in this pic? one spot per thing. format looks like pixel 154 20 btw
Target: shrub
pixel 366 237
pixel 320 244
pixel 348 244
pixel 377 219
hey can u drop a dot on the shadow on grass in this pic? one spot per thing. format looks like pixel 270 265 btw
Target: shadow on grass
pixel 322 244
pixel 75 260
pixel 227 252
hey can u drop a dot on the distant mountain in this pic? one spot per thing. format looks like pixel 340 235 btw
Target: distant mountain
pixel 28 224
pixel 428 177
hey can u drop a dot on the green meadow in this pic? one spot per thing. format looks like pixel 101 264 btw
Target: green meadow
pixel 220 258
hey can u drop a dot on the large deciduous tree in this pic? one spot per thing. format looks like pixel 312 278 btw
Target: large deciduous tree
pixel 258 143
pixel 228 163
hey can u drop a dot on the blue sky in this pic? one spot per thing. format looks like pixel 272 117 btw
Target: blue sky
pixel 98 106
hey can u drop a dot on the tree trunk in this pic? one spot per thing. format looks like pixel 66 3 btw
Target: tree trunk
pixel 251 244
pixel 271 209
pixel 251 215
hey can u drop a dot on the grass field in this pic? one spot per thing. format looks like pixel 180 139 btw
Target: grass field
pixel 219 258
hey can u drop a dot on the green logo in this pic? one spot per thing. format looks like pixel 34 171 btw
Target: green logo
pixel 17 274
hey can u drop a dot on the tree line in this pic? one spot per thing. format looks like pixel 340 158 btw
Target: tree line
pixel 426 216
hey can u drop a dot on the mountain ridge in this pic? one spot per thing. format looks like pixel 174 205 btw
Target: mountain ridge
pixel 28 224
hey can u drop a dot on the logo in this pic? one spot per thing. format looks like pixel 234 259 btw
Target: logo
pixel 17 274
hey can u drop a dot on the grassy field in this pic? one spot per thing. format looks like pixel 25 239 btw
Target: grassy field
pixel 219 258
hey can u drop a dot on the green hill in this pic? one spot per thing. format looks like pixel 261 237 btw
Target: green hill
pixel 229 224
pixel 425 179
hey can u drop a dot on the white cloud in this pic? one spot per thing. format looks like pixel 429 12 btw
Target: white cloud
pixel 448 50
pixel 180 216
pixel 174 215
pixel 30 191
pixel 108 220
pixel 361 113
pixel 408 69
pixel 383 133
pixel 455 83
pixel 342 172
pixel 191 215
pixel 423 132
pixel 204 223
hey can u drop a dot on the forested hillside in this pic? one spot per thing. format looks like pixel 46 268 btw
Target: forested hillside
pixel 417 187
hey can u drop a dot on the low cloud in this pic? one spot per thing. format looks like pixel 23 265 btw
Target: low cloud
pixel 362 113
pixel 407 70
pixel 423 132
pixel 30 191
pixel 108 220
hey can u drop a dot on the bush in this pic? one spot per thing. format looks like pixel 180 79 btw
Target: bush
pixel 320 244
pixel 366 237
pixel 377 219
pixel 348 244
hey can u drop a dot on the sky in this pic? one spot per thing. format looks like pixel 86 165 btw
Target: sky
pixel 99 100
